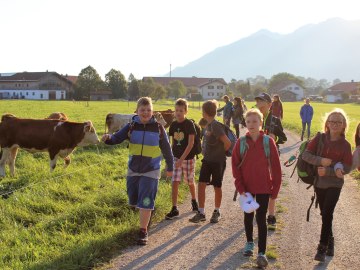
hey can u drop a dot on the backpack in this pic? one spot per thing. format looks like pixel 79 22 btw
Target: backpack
pixel 197 149
pixel 306 172
pixel 232 138
pixel 243 150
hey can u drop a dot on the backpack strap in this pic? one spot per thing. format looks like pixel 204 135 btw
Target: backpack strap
pixel 243 147
pixel 266 143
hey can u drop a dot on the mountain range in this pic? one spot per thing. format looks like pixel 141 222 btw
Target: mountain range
pixel 328 50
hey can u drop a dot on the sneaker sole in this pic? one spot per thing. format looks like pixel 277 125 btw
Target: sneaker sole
pixel 271 227
pixel 262 262
pixel 170 218
pixel 142 242
pixel 198 221
pixel 214 221
pixel 248 254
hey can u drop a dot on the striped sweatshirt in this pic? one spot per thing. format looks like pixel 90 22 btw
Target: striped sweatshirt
pixel 148 143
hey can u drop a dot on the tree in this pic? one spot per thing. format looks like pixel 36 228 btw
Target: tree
pixel 88 81
pixel 336 81
pixel 131 77
pixel 134 90
pixel 284 77
pixel 159 92
pixel 243 89
pixel 116 82
pixel 177 89
pixel 147 87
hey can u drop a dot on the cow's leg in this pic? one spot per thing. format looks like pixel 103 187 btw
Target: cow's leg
pixel 4 157
pixel 12 158
pixel 67 161
pixel 53 159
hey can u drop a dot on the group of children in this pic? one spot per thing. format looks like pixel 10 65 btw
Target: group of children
pixel 254 172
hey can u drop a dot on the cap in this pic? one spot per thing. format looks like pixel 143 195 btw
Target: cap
pixel 264 97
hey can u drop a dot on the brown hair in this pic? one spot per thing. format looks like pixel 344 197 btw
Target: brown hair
pixel 254 112
pixel 226 97
pixel 209 107
pixel 357 135
pixel 238 100
pixel 340 112
pixel 144 101
pixel 182 102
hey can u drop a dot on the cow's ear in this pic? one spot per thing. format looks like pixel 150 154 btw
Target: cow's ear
pixel 87 126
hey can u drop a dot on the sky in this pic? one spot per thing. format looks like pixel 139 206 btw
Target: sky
pixel 142 37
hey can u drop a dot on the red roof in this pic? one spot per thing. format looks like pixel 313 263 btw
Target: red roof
pixel 187 81
pixel 72 79
pixel 35 76
pixel 347 87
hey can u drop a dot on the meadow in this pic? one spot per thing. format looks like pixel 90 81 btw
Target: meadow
pixel 78 218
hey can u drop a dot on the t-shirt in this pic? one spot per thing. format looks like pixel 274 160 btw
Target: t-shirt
pixel 180 133
pixel 214 148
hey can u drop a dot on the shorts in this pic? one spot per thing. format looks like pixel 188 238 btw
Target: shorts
pixel 212 173
pixel 142 191
pixel 187 168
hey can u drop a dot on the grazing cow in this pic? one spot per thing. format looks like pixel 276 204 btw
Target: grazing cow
pixel 116 121
pixel 58 138
pixel 58 116
pixel 167 115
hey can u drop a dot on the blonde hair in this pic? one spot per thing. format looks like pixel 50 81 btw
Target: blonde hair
pixel 340 112
pixel 144 101
pixel 254 111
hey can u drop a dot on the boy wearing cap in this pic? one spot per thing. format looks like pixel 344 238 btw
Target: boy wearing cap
pixel 271 126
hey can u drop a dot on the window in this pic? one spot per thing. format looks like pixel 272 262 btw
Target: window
pixel 220 87
pixel 296 88
pixel 210 87
pixel 27 93
pixel 33 93
pixel 41 95
pixel 211 94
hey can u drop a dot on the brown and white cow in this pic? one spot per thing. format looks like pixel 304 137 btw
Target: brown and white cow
pixel 116 121
pixel 56 137
pixel 58 116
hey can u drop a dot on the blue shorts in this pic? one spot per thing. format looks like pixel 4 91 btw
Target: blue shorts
pixel 142 191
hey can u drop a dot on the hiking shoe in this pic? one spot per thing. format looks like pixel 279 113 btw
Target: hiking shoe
pixel 320 254
pixel 194 206
pixel 215 217
pixel 172 214
pixel 143 237
pixel 249 249
pixel 197 218
pixel 271 221
pixel 330 247
pixel 261 260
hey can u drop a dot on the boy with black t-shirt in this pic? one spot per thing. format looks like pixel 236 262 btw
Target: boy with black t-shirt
pixel 183 133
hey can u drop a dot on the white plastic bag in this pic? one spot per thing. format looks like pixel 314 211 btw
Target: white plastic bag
pixel 247 203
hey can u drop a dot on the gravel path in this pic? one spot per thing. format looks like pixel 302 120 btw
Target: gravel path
pixel 179 244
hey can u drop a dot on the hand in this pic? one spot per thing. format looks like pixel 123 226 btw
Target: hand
pixel 339 173
pixel 178 163
pixel 169 173
pixel 321 171
pixel 243 194
pixel 272 136
pixel 326 162
pixel 106 137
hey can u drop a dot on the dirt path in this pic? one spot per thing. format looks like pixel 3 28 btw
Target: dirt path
pixel 179 244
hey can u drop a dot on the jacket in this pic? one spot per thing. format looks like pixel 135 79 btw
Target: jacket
pixel 237 114
pixel 254 175
pixel 273 125
pixel 338 151
pixel 306 113
pixel 227 110
pixel 147 145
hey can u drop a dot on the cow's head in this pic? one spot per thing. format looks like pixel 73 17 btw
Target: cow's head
pixel 7 116
pixel 90 136
pixel 160 119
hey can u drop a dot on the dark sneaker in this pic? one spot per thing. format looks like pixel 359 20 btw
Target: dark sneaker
pixel 197 218
pixel 215 217
pixel 330 247
pixel 261 260
pixel 194 206
pixel 172 214
pixel 143 237
pixel 320 254
pixel 271 221
pixel 249 249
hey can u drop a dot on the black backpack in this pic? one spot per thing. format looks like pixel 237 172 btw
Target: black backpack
pixel 231 136
pixel 196 150
pixel 307 172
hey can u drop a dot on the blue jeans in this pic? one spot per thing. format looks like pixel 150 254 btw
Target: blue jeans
pixel 303 129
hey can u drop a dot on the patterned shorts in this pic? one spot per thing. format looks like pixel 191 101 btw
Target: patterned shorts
pixel 187 168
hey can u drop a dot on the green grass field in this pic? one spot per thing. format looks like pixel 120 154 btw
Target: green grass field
pixel 78 218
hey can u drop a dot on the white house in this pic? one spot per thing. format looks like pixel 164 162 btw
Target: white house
pixel 289 91
pixel 335 92
pixel 208 88
pixel 36 85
